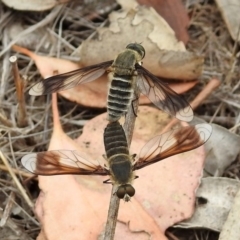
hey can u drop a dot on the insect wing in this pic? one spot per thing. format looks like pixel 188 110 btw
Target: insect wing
pixel 69 80
pixel 162 96
pixel 173 142
pixel 61 162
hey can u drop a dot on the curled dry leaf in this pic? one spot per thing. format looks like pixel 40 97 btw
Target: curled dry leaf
pixel 93 94
pixel 215 197
pixel 36 5
pixel 165 55
pixel 221 150
pixel 85 200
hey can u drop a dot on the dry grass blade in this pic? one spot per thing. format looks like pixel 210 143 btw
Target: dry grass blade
pixel 22 173
pixel 18 184
pixel 5 121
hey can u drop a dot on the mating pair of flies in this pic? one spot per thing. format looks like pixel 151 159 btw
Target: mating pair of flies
pixel 126 76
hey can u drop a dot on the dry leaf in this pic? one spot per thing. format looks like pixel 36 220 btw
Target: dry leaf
pixel 36 5
pixel 230 11
pixel 85 217
pixel 221 150
pixel 165 56
pixel 174 13
pixel 215 197
pixel 231 228
pixel 96 91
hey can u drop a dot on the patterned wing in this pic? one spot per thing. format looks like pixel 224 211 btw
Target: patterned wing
pixel 162 96
pixel 69 80
pixel 173 142
pixel 61 162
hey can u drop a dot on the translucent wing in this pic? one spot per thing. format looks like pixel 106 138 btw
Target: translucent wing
pixel 162 96
pixel 173 142
pixel 70 79
pixel 61 162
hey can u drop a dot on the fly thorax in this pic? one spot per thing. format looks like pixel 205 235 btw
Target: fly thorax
pixel 120 167
pixel 125 62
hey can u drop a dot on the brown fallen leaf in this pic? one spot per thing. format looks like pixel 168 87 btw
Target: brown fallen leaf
pixel 96 90
pixel 47 66
pixel 75 207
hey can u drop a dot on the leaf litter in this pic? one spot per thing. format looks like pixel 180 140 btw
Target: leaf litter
pixel 208 36
pixel 176 202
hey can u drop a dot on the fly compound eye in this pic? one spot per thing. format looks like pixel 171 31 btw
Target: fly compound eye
pixel 129 190
pixel 131 46
pixel 138 48
pixel 121 192
pixel 124 190
pixel 141 48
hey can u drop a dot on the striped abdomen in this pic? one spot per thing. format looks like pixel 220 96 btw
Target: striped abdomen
pixel 117 152
pixel 115 141
pixel 119 96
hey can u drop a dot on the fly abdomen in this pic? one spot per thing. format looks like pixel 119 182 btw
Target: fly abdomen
pixel 119 96
pixel 115 141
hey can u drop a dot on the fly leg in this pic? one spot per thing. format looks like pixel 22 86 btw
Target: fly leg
pixel 133 108
pixel 133 159
pixel 105 165
pixel 107 181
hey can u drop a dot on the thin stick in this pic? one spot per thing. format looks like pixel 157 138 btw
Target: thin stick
pixel 18 184
pixel 114 200
pixel 19 84
pixel 112 215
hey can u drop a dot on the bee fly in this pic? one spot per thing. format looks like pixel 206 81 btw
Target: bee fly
pixel 125 73
pixel 120 164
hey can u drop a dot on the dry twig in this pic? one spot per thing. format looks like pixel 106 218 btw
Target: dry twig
pixel 19 83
